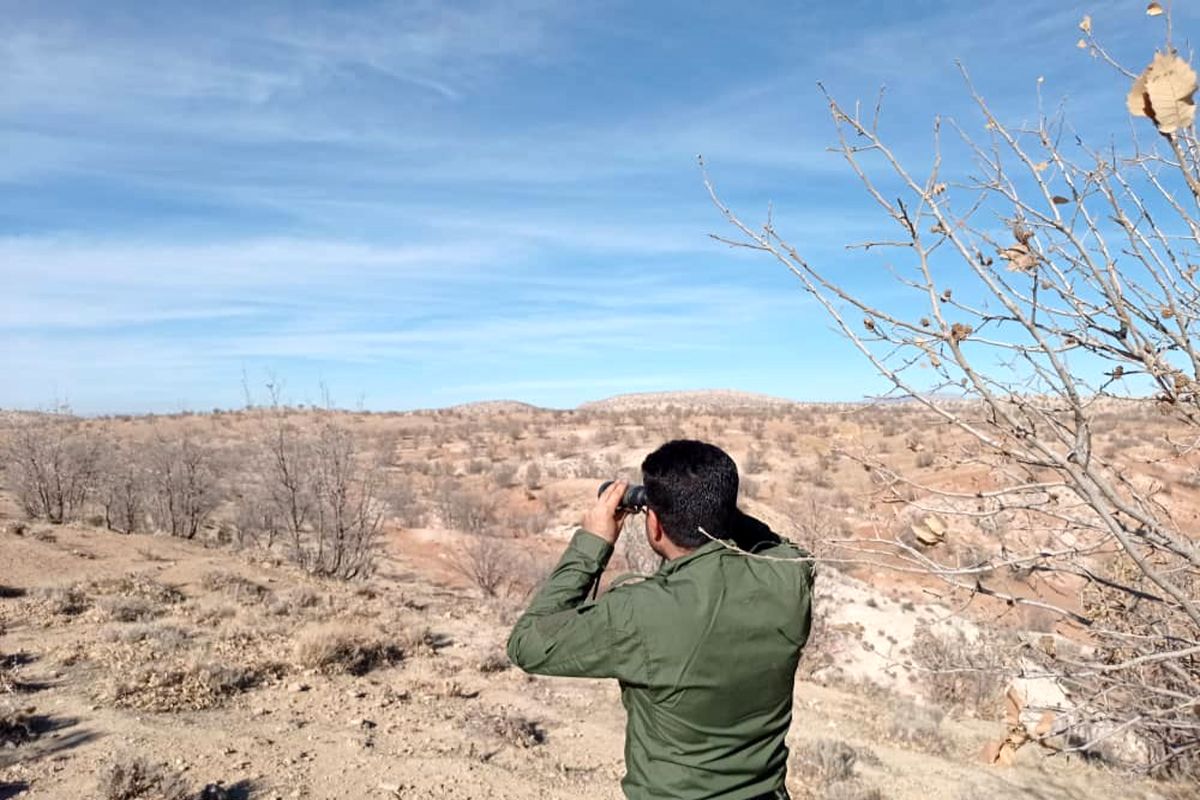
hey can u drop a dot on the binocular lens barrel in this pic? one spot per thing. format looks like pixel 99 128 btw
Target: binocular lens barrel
pixel 634 499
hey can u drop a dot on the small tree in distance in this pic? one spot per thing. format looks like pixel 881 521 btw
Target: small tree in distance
pixel 1053 287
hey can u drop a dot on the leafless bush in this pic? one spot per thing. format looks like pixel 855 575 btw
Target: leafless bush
pixel 51 464
pixel 317 492
pixel 406 502
pixel 350 651
pixel 533 476
pixel 916 726
pixel 136 584
pixel 505 475
pixel 139 779
pixel 235 587
pixel 1046 283
pixel 183 485
pixel 965 674
pixel 485 559
pixel 825 768
pixel 825 761
pixel 189 686
pixel 122 489
pixel 65 601
pixel 463 510
pixel 507 726
pixel 495 661
pixel 162 638
pixel 127 609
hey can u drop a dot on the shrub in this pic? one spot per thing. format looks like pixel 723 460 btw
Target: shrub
pixel 51 463
pixel 137 585
pixel 486 560
pixel 825 761
pixel 234 586
pixel 962 673
pixel 512 728
pixel 16 726
pixel 127 609
pixel 65 601
pixel 494 661
pixel 184 486
pixel 917 726
pixel 824 769
pixel 194 686
pixel 334 650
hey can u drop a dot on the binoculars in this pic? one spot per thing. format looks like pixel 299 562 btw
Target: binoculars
pixel 634 499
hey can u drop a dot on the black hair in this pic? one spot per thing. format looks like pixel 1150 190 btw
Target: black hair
pixel 691 485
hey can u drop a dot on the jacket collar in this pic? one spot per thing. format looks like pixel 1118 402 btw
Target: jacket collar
pixel 675 565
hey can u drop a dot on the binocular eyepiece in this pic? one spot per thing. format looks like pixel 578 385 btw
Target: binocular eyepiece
pixel 634 499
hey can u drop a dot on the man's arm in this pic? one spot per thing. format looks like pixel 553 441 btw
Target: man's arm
pixel 560 633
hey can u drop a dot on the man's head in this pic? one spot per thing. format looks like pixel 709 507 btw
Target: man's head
pixel 689 485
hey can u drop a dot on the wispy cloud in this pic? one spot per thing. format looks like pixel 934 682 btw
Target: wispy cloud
pixel 434 199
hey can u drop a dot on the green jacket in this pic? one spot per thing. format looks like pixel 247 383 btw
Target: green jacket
pixel 705 651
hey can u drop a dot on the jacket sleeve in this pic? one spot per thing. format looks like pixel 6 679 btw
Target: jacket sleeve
pixel 562 634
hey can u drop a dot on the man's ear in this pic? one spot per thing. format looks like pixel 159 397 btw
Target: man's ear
pixel 654 526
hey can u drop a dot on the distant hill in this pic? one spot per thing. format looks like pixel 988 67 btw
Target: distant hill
pixel 701 399
pixel 494 407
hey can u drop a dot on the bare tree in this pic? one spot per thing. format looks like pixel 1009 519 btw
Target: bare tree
pixel 184 486
pixel 1048 288
pixel 51 459
pixel 122 490
pixel 348 512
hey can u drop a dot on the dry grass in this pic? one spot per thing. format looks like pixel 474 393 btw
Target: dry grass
pixel 137 585
pixel 918 727
pixel 507 726
pixel 139 779
pixel 494 661
pixel 240 590
pixel 159 637
pixel 190 686
pixel 62 601
pixel 962 673
pixel 824 769
pixel 127 609
pixel 334 650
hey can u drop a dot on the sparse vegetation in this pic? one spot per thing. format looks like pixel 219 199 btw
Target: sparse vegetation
pixel 185 686
pixel 136 778
pixel 825 768
pixel 16 726
pixel 51 461
pixel 335 650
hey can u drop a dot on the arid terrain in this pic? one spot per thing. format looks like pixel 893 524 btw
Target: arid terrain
pixel 238 659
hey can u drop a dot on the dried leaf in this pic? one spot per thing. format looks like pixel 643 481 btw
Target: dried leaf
pixel 1085 24
pixel 925 536
pixel 1019 257
pixel 1165 93
pixel 1081 44
pixel 1041 166
pixel 1154 9
pixel 938 188
pixel 1059 200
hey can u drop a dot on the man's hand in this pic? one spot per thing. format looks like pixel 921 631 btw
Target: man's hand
pixel 603 519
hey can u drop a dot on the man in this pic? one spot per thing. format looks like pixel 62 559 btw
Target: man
pixel 705 649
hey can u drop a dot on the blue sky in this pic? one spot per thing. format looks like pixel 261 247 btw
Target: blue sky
pixel 422 203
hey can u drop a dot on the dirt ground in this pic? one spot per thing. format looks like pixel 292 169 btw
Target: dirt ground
pixel 232 674
pixel 447 718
